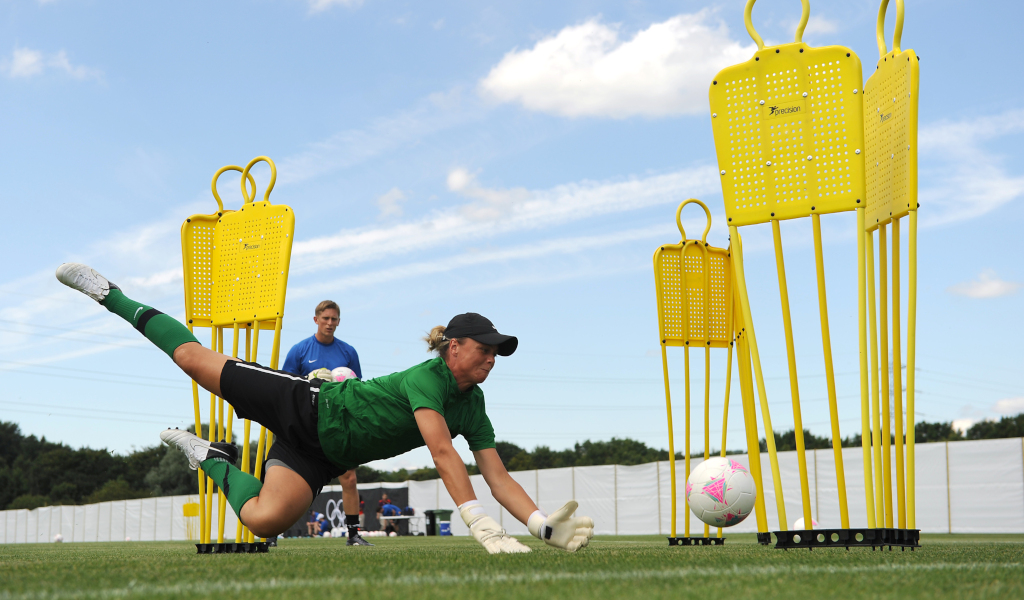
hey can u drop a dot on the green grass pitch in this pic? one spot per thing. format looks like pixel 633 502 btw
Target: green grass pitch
pixel 639 567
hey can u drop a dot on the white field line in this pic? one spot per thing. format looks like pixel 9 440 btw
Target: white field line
pixel 182 589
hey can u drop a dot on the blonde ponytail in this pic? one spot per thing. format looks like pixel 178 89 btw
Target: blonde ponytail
pixel 436 342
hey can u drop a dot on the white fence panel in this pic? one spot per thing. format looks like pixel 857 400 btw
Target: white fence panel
pixel 423 495
pixel 595 487
pixel 67 522
pixel 118 516
pixel 79 533
pixel 637 499
pixel 989 471
pixel 932 498
pixel 555 488
pixel 527 479
pixel 103 528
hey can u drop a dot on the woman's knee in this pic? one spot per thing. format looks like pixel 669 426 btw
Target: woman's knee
pixel 263 525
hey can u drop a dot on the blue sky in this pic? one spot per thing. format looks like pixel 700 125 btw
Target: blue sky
pixel 522 160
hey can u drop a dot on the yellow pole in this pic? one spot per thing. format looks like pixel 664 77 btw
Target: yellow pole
pixel 794 389
pixel 876 426
pixel 245 430
pixel 748 321
pixel 897 377
pixel 671 444
pixel 246 535
pixel 220 401
pixel 707 410
pixel 201 474
pixel 750 428
pixel 911 365
pixel 728 376
pixel 212 436
pixel 830 376
pixel 730 334
pixel 276 350
pixel 259 464
pixel 222 505
pixel 883 340
pixel 686 441
pixel 862 340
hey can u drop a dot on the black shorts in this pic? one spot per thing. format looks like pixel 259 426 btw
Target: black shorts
pixel 285 404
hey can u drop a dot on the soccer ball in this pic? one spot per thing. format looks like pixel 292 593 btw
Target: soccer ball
pixel 720 492
pixel 393 534
pixel 128 539
pixel 343 373
pixel 799 524
pixel 58 538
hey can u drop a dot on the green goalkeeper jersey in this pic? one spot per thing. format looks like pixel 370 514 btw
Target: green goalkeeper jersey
pixel 362 421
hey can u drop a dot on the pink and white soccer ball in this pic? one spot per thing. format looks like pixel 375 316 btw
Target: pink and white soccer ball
pixel 721 492
pixel 343 373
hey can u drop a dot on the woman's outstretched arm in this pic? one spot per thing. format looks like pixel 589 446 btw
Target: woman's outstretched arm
pixel 452 470
pixel 448 462
pixel 505 490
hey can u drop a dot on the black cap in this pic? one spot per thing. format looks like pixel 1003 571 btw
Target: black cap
pixel 479 328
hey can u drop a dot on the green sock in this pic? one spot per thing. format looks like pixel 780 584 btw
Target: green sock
pixel 238 486
pixel 166 332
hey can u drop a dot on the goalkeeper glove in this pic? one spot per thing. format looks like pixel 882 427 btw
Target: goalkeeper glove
pixel 561 529
pixel 324 374
pixel 487 531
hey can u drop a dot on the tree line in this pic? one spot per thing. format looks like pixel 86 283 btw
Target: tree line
pixel 36 472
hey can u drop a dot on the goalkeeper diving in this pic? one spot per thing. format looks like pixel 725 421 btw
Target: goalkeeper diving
pixel 323 429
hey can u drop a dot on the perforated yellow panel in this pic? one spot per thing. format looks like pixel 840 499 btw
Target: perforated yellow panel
pixel 788 128
pixel 251 253
pixel 681 317
pixel 197 256
pixel 890 134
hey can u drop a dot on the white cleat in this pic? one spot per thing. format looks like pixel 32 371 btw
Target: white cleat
pixel 84 279
pixel 195 448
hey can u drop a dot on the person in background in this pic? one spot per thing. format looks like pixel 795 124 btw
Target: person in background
pixel 387 524
pixel 323 350
pixel 324 525
pixel 313 524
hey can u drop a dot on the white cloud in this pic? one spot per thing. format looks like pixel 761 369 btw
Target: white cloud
pixel 25 63
pixel 1010 406
pixel 571 245
pixel 987 285
pixel 435 113
pixel 818 24
pixel 587 70
pixel 316 6
pixel 967 180
pixel 962 425
pixel 492 203
pixel 390 203
pixel 495 212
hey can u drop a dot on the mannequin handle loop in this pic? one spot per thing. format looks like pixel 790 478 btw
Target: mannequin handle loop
pixel 216 176
pixel 798 37
pixel 679 220
pixel 273 178
pixel 897 34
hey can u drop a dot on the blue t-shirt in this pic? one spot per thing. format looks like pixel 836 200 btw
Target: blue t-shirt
pixel 309 355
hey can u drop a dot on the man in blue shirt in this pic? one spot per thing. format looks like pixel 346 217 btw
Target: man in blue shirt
pixel 324 351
